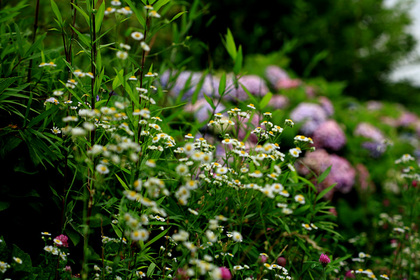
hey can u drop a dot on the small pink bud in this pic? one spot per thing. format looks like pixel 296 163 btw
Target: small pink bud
pixel 262 258
pixel 349 274
pixel 281 261
pixel 225 273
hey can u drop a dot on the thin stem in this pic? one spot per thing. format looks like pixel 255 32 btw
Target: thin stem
pixel 33 39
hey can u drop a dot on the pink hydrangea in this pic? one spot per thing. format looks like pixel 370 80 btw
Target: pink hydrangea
pixel 329 135
pixel 341 171
pixel 288 84
pixel 274 74
pixel 407 119
pixel 279 101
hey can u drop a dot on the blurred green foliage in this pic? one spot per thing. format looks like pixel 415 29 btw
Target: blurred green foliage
pixel 355 41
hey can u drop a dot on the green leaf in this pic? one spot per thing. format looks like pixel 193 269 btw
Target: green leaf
pixel 324 192
pixel 19 40
pixel 266 99
pixel 139 16
pixel 81 11
pixel 238 62
pixel 82 37
pixel 35 44
pixel 26 260
pixel 122 183
pixel 301 210
pixel 198 87
pixel 209 100
pixel 99 16
pixel 56 12
pixel 324 174
pixel 151 269
pixel 157 237
pixel 4 205
pixel 251 97
pixel 230 44
pixel 43 116
pixel 177 16
pixel 222 84
pixel 159 4
pixel 314 61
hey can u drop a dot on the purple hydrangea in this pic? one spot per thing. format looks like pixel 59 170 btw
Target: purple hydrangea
pixel 274 74
pixel 374 105
pixel 210 85
pixel 327 105
pixel 311 114
pixel 375 149
pixel 329 135
pixel 369 131
pixel 202 109
pixel 407 119
pixel 254 84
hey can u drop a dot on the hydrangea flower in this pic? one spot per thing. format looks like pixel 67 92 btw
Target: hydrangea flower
pixel 329 135
pixel 312 115
pixel 254 84
pixel 341 172
pixel 210 85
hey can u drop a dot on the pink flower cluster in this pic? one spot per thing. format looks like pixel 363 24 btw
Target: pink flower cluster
pixel 61 241
pixel 329 135
pixel 324 259
pixel 341 171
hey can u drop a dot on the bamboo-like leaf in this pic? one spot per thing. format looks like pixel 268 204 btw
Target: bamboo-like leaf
pixel 82 37
pixel 198 87
pixel 56 11
pixel 157 237
pixel 81 11
pixel 209 100
pixel 122 183
pixel 35 44
pixel 251 97
pixel 158 4
pixel 139 16
pixel 177 16
pixel 230 44
pixel 265 100
pixel 99 16
pixel 222 84
pixel 324 175
pixel 19 40
pixel 238 61
pixel 324 192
